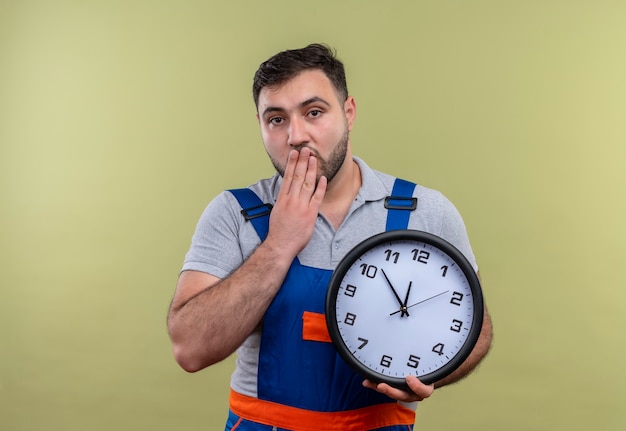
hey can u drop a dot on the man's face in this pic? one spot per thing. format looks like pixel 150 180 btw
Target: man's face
pixel 305 112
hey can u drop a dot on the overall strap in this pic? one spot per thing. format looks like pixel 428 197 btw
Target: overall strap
pixel 254 210
pixel 400 204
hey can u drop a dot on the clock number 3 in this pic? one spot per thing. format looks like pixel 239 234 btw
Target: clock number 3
pixel 456 325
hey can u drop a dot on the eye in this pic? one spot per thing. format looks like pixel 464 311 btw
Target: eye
pixel 314 113
pixel 275 121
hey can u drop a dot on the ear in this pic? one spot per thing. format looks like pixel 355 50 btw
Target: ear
pixel 349 108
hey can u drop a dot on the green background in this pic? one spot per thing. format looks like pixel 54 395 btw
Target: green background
pixel 120 120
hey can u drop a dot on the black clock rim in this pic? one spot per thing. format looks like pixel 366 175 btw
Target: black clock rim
pixel 397 235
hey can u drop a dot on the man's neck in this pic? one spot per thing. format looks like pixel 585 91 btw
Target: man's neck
pixel 341 192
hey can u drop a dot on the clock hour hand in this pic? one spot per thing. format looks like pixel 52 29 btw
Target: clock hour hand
pixel 403 307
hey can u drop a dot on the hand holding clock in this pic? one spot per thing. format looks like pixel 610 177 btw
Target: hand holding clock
pixel 418 391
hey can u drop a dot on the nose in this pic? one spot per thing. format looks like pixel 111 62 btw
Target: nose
pixel 298 134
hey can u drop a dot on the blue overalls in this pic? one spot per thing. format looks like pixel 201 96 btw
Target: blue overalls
pixel 303 384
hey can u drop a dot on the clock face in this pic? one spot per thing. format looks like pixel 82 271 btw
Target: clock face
pixel 404 302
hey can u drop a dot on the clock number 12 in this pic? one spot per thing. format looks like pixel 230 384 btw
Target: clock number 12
pixel 420 255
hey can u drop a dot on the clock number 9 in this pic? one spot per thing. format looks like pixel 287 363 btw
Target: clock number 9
pixel 350 290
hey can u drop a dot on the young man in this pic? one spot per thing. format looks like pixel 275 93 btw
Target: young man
pixel 246 283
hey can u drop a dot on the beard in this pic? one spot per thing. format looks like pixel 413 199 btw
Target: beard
pixel 326 167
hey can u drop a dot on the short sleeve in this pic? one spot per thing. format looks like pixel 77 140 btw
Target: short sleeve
pixel 453 230
pixel 215 248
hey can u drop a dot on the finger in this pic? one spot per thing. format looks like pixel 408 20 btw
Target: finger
pixel 310 176
pixel 394 393
pixel 292 160
pixel 420 389
pixel 301 170
pixel 320 192
pixel 399 394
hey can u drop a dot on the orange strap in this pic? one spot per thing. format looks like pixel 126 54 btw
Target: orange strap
pixel 292 418
pixel 314 327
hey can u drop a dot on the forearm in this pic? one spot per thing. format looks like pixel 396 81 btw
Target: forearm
pixel 209 325
pixel 208 322
pixel 478 353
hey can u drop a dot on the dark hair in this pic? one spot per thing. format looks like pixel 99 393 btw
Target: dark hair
pixel 286 64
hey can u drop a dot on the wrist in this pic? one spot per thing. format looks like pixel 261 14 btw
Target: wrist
pixel 279 253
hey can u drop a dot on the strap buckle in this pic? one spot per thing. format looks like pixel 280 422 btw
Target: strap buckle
pixel 257 211
pixel 400 203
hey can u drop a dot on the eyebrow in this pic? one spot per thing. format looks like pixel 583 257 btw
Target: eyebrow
pixel 315 99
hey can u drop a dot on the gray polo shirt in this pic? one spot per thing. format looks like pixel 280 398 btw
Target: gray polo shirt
pixel 223 240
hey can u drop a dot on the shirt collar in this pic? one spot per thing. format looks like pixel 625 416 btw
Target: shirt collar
pixel 372 188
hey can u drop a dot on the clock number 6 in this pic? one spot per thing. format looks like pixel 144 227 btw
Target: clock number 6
pixel 385 361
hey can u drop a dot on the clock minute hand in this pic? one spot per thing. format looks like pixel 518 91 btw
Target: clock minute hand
pixel 417 303
pixel 403 307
